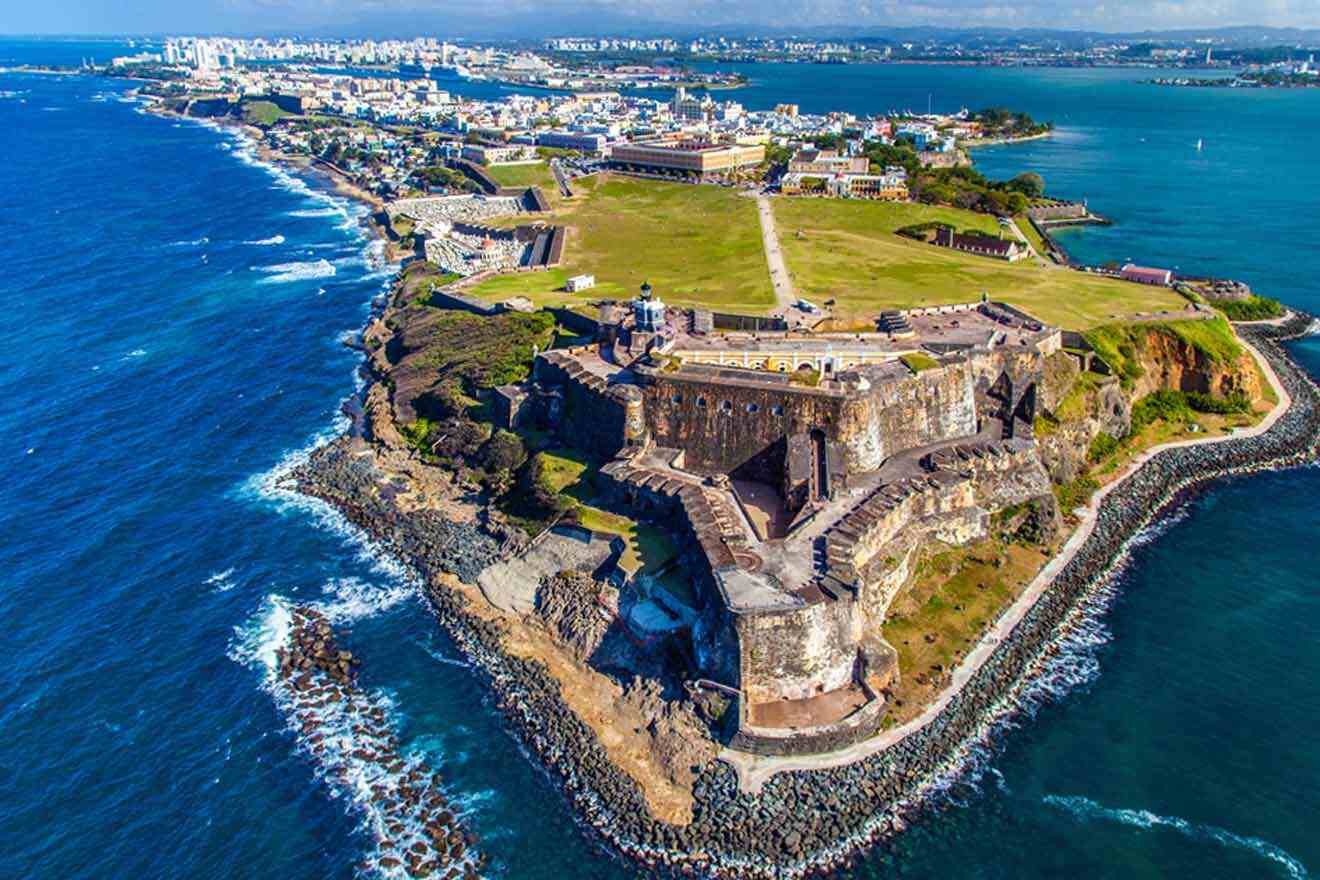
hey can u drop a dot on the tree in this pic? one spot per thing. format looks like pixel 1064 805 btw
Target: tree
pixel 504 452
pixel 1030 184
pixel 536 488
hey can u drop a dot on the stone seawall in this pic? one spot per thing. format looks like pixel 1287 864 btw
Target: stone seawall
pixel 803 820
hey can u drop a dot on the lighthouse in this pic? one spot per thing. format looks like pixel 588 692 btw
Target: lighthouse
pixel 648 310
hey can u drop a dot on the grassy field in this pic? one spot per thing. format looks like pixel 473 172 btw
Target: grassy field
pixel 537 174
pixel 697 245
pixel 1032 235
pixel 847 251
pixel 956 594
pixel 262 113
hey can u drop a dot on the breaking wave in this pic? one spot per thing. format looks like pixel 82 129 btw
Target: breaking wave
pixel 284 273
pixel 316 212
pixel 348 732
pixel 273 487
pixel 1085 809
pixel 221 581
pixel 353 599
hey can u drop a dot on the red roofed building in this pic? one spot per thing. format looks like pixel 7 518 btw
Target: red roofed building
pixel 1144 275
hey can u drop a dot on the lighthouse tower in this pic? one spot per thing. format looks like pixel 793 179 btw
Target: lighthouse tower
pixel 648 311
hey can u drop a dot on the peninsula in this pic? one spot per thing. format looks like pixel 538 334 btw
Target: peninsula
pixel 757 469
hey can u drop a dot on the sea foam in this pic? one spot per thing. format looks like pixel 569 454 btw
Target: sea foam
pixel 316 212
pixel 283 273
pixel 349 735
pixel 1085 809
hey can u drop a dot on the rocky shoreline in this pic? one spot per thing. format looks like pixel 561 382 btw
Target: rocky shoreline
pixel 347 732
pixel 807 821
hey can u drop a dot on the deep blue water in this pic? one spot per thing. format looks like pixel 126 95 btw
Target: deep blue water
pixel 175 316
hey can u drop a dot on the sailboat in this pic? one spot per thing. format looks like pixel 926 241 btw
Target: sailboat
pixel 1199 144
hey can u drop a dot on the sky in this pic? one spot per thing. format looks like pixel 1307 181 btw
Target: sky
pixel 566 17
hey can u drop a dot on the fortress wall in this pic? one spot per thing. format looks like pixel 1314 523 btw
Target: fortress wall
pixel 737 421
pixel 876 522
pixel 596 417
pixel 740 420
pixel 798 652
pixel 1000 474
pixel 715 645
pixel 1023 367
pixel 935 405
pixel 871 547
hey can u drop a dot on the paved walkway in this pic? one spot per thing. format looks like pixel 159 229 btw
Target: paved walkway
pixel 754 770
pixel 785 296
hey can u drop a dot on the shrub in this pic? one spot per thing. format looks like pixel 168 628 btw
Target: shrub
pixel 1102 446
pixel 1076 493
pixel 417 434
pixel 1208 403
pixel 504 452
pixel 1159 406
pixel 536 489
pixel 1255 308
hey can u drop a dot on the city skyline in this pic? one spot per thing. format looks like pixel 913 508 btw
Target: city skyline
pixel 564 17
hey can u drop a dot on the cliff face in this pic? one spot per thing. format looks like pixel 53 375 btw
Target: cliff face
pixel 1172 364
pixel 1078 408
pixel 1081 405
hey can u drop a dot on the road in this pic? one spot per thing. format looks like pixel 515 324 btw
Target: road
pixel 1026 242
pixel 561 179
pixel 785 296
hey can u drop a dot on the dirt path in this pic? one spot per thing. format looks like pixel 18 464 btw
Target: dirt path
pixel 785 296
pixel 754 770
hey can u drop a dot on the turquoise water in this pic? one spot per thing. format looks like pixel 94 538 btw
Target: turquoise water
pixel 176 313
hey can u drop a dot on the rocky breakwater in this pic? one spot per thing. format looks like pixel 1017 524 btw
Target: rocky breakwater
pixel 348 732
pixel 807 821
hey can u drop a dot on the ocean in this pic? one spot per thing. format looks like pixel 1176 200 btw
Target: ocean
pixel 177 313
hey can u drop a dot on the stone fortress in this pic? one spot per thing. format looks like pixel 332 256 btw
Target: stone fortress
pixel 803 472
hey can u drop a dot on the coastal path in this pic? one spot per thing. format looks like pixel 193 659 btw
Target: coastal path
pixel 754 770
pixel 785 297
pixel 1021 236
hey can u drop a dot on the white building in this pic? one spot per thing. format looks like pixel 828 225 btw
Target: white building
pixel 579 283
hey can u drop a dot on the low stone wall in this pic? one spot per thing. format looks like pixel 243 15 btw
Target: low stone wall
pixel 448 298
pixel 861 725
pixel 805 820
pixel 748 323
pixel 1058 211
pixel 575 321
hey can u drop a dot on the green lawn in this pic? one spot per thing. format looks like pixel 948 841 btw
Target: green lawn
pixel 648 547
pixel 534 174
pixel 847 251
pixel 697 245
pixel 537 174
pixel 262 113
pixel 564 472
pixel 569 472
pixel 1032 235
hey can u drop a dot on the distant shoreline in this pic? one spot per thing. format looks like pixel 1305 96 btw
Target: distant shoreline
pixel 999 141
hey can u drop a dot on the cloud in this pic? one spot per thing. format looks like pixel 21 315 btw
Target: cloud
pixel 540 17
